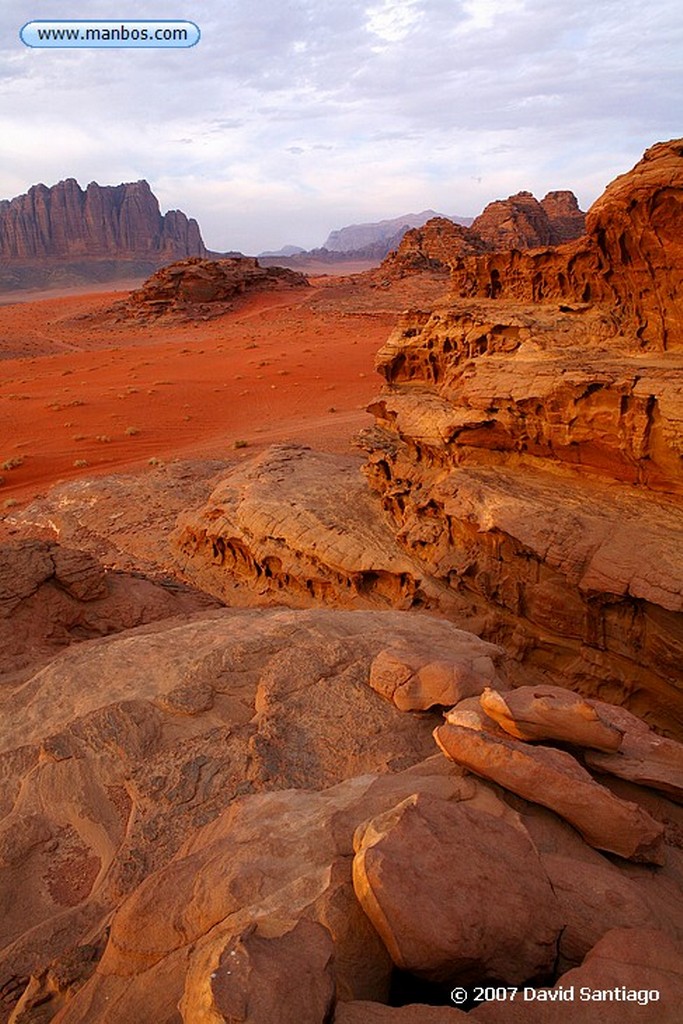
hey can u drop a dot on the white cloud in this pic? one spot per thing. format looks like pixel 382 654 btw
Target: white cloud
pixel 296 116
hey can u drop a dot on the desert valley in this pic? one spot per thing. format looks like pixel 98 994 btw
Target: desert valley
pixel 341 615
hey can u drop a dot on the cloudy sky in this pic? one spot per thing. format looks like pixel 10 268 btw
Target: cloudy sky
pixel 293 117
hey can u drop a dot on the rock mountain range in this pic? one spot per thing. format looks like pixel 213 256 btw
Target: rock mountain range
pixel 65 235
pixel 377 729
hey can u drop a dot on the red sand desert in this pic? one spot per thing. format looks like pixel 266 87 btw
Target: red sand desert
pixel 82 395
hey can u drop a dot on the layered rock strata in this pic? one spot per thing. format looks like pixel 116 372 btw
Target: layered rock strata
pixel 101 220
pixel 298 527
pixel 630 257
pixel 529 455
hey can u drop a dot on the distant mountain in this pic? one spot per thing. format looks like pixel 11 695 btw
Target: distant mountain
pixel 65 234
pixel 286 250
pixel 359 236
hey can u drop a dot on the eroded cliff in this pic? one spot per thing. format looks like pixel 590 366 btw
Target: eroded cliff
pixel 528 450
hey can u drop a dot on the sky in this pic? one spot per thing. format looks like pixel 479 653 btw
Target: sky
pixel 291 118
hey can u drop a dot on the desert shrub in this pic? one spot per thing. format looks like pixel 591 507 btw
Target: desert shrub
pixel 241 444
pixel 80 463
pixel 132 431
pixel 13 463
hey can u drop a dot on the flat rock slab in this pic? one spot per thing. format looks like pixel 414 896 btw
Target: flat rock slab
pixel 425 873
pixel 555 779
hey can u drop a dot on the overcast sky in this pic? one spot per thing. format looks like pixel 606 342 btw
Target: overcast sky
pixel 293 117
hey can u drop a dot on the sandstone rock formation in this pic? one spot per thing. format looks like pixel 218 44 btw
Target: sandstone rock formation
pixel 102 220
pixel 62 228
pixel 547 712
pixel 298 527
pixel 199 289
pixel 519 222
pixel 430 248
pixel 154 732
pixel 416 678
pixel 554 779
pixel 426 903
pixel 528 453
pixel 629 259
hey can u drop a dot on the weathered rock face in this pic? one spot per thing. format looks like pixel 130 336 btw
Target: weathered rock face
pixel 120 748
pixel 567 221
pixel 298 527
pixel 432 247
pixel 201 288
pixel 629 259
pixel 530 458
pixel 66 236
pixel 111 220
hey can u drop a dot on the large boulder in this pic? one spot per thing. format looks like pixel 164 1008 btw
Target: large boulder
pixel 555 779
pixel 424 873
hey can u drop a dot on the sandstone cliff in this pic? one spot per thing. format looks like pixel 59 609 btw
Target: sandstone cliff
pixel 60 230
pixel 629 259
pixel 528 450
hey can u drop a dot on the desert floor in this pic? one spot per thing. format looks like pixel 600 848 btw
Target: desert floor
pixel 84 395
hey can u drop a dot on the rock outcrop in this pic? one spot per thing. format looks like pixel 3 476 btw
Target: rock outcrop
pixel 518 223
pixel 430 248
pixel 528 450
pixel 521 222
pixel 201 289
pixel 52 596
pixel 298 527
pixel 555 779
pixel 65 234
pixel 630 258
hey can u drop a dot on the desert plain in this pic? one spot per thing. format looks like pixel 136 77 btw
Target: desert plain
pixel 77 388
